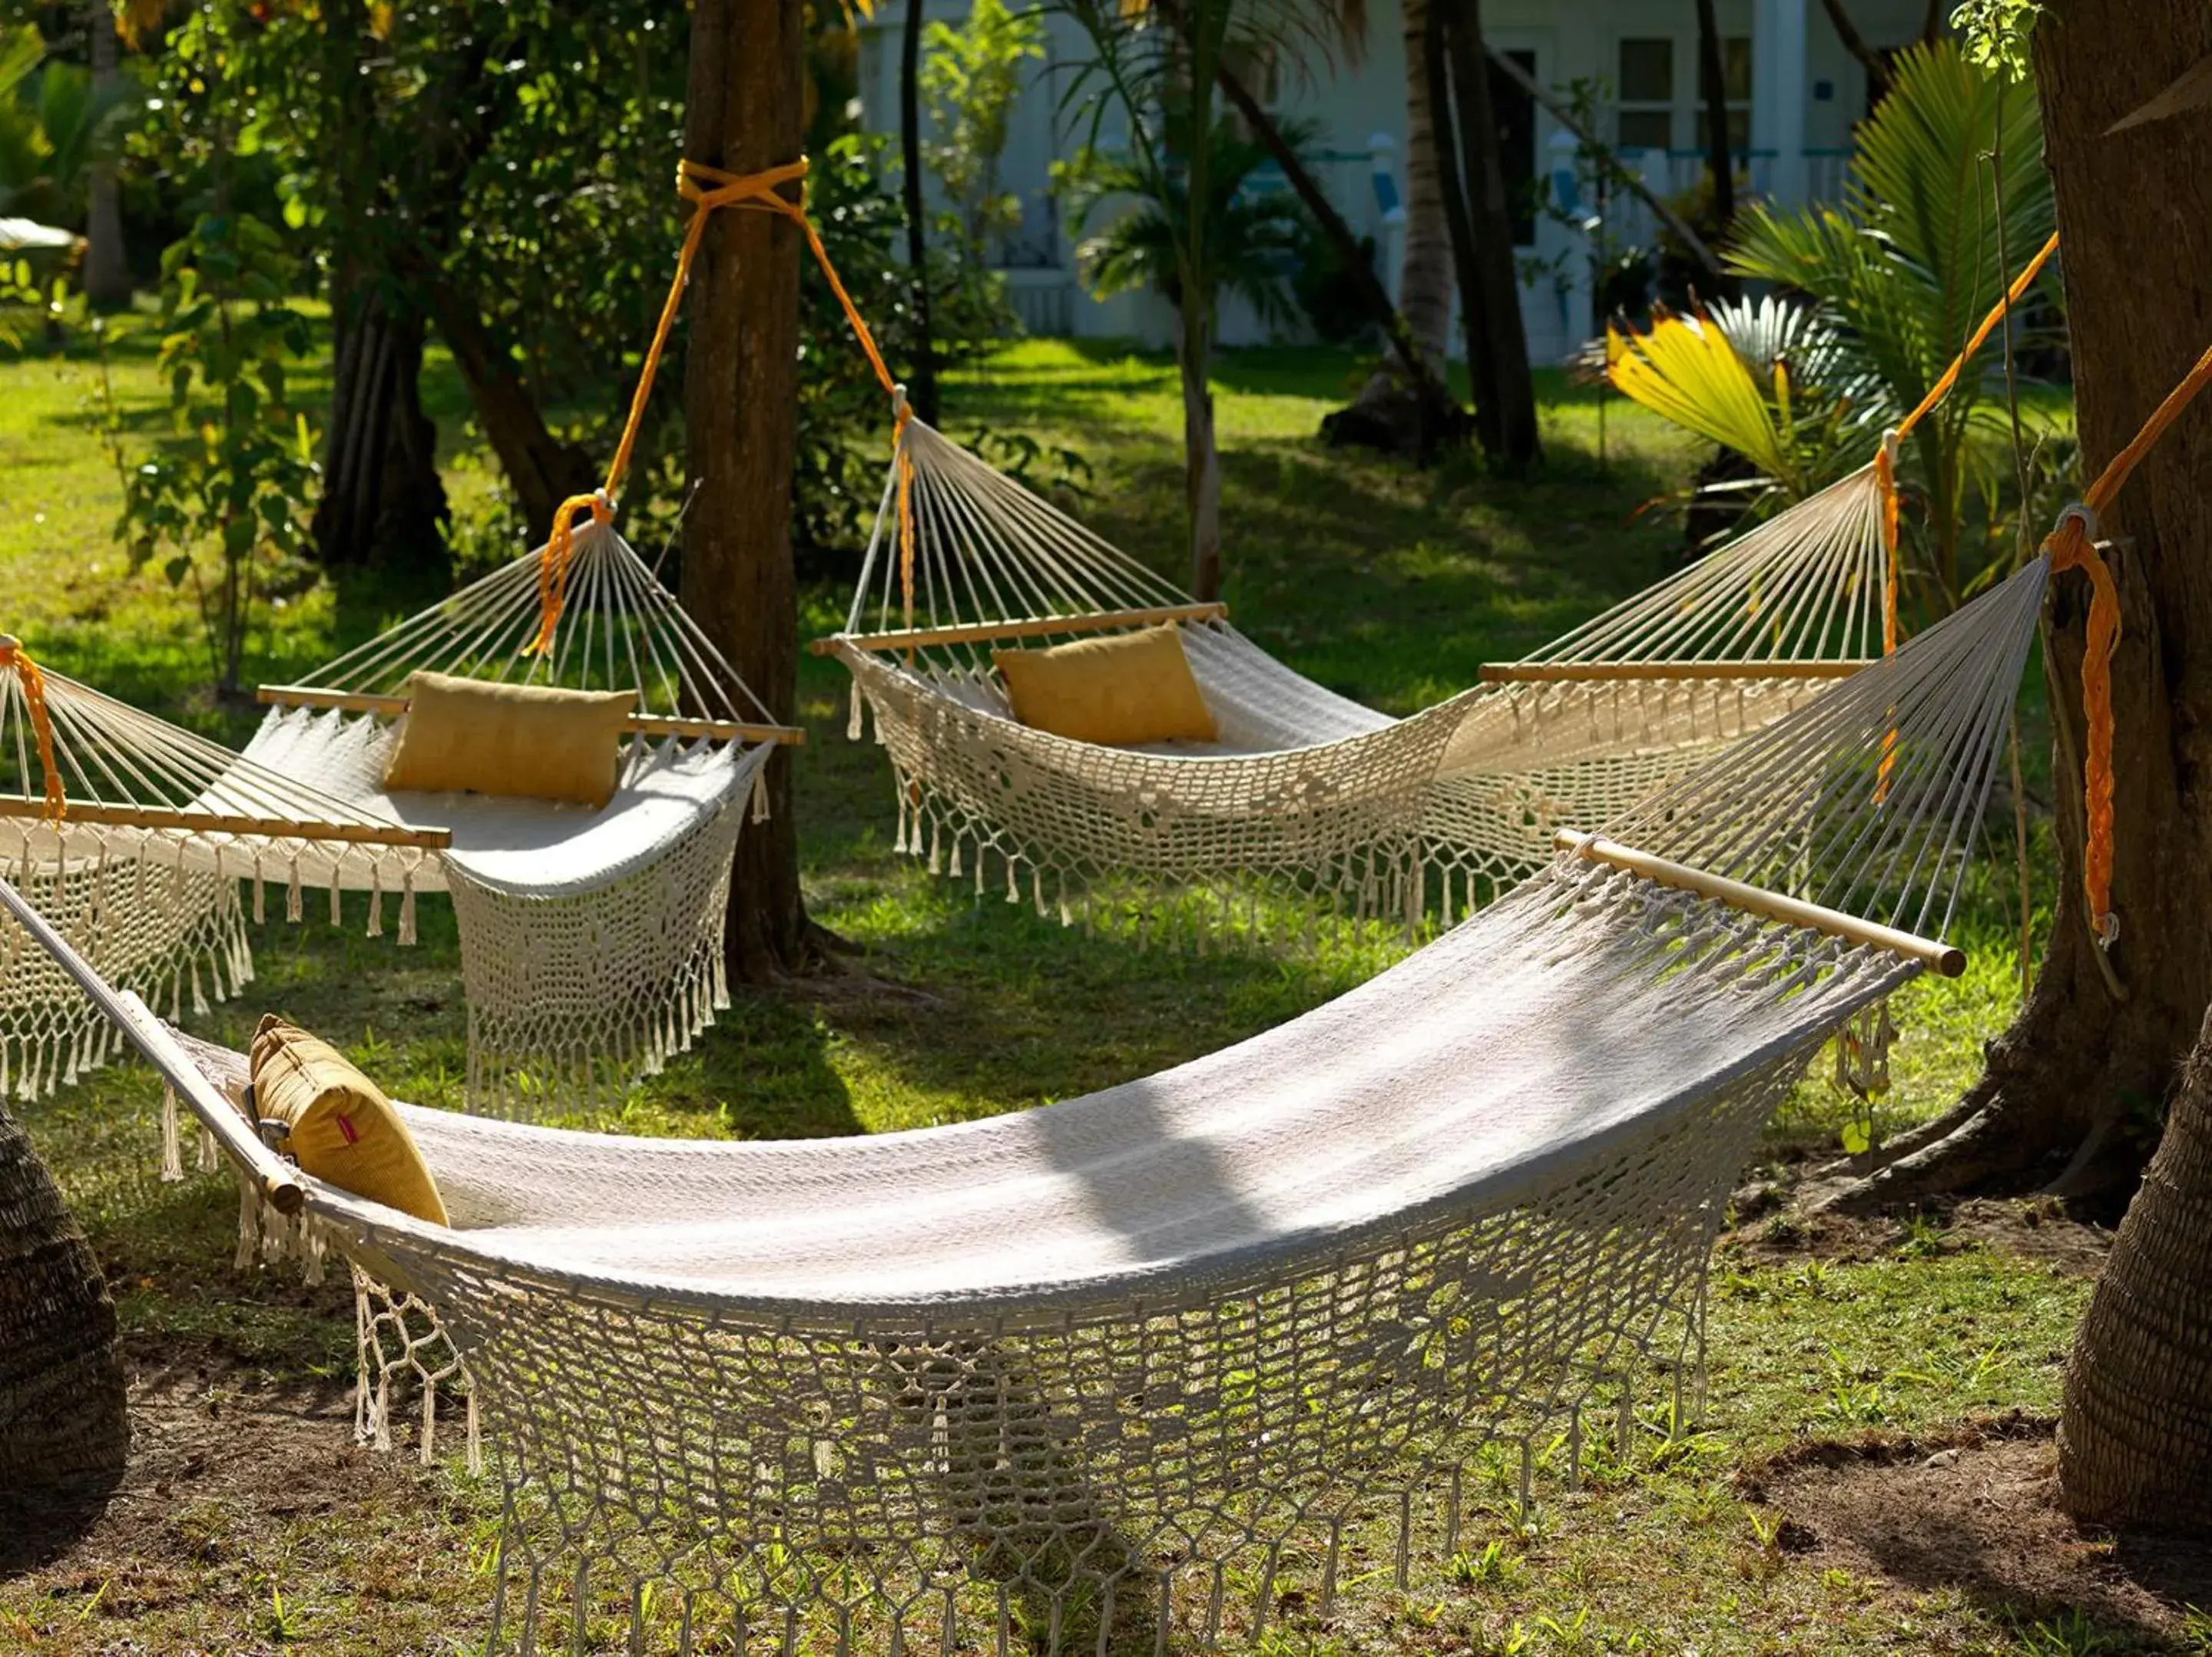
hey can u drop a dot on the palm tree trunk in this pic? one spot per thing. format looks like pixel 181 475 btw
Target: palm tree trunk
pixel 1201 465
pixel 1489 286
pixel 1425 275
pixel 923 390
pixel 65 1429
pixel 2135 1438
pixel 107 271
pixel 1712 76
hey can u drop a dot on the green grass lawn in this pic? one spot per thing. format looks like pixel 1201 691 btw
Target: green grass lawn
pixel 1386 582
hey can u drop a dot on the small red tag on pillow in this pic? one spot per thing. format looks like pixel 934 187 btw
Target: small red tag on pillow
pixel 346 1128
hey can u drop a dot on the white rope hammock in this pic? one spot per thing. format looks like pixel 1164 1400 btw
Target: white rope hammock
pixel 1088 1365
pixel 590 940
pixel 133 843
pixel 1303 783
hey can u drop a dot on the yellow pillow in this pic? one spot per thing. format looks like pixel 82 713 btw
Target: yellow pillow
pixel 1131 687
pixel 342 1128
pixel 525 741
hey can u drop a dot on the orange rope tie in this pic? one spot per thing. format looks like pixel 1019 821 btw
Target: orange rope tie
pixel 2073 545
pixel 760 193
pixel 2003 309
pixel 12 654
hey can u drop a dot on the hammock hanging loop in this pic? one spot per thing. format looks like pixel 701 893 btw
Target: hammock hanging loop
pixel 12 655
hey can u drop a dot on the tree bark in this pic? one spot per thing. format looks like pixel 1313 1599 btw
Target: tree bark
pixel 1720 156
pixel 922 389
pixel 2063 1100
pixel 1877 71
pixel 383 503
pixel 1425 278
pixel 106 266
pixel 1201 465
pixel 743 112
pixel 541 469
pixel 65 1428
pixel 2134 1435
pixel 1489 286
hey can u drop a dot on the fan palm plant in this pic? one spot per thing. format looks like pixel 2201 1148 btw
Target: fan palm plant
pixel 1888 286
pixel 1914 260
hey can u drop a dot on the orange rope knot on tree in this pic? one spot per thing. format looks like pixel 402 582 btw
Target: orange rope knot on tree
pixel 2073 545
pixel 706 188
pixel 12 655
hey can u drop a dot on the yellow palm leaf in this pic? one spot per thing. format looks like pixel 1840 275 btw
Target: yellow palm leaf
pixel 1685 371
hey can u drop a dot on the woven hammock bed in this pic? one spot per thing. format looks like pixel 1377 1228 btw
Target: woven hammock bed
pixel 1075 1366
pixel 590 940
pixel 1381 817
pixel 1384 818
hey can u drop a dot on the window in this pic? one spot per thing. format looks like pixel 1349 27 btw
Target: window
pixel 1647 95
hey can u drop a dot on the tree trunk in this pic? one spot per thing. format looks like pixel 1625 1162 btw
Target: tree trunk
pixel 1201 469
pixel 742 113
pixel 541 470
pixel 2135 1436
pixel 1877 71
pixel 383 504
pixel 1720 155
pixel 106 268
pixel 1931 21
pixel 922 389
pixel 65 1428
pixel 2065 1091
pixel 1489 286
pixel 1424 275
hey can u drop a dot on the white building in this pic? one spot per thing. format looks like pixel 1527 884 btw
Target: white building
pixel 1796 91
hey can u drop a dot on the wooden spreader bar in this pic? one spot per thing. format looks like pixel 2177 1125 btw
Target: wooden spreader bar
pixel 1937 956
pixel 1576 672
pixel 638 725
pixel 1034 627
pixel 225 822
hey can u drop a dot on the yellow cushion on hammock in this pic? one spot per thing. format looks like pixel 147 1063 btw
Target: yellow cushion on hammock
pixel 342 1128
pixel 524 741
pixel 1131 687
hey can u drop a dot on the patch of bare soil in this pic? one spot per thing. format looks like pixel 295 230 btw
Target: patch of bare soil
pixel 1776 1220
pixel 1979 1513
pixel 212 1446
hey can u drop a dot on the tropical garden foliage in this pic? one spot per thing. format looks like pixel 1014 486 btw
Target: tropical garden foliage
pixel 1946 198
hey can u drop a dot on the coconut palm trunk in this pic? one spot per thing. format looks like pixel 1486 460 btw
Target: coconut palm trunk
pixel 1424 275
pixel 1201 457
pixel 2134 1439
pixel 63 1426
